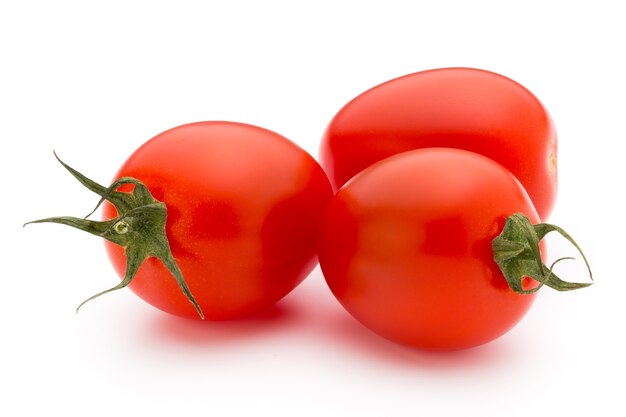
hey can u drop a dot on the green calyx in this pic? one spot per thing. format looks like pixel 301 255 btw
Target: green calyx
pixel 516 251
pixel 139 228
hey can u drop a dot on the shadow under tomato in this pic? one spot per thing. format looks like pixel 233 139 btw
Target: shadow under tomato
pixel 340 328
pixel 178 330
pixel 312 314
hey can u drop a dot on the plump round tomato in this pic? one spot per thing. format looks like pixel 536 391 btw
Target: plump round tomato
pixel 244 207
pixel 406 248
pixel 460 108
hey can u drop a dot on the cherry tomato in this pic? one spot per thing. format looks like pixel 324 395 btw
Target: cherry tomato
pixel 460 108
pixel 244 207
pixel 406 247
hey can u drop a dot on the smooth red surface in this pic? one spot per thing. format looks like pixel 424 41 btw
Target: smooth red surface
pixel 244 210
pixel 406 248
pixel 463 108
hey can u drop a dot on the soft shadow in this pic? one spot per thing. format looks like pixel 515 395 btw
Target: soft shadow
pixel 340 328
pixel 313 314
pixel 177 330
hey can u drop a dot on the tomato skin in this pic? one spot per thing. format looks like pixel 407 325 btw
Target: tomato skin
pixel 463 108
pixel 244 211
pixel 406 248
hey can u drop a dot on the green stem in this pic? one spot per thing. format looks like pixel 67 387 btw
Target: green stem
pixel 516 251
pixel 139 228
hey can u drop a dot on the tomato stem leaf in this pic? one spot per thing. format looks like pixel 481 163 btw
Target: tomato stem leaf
pixel 139 228
pixel 516 251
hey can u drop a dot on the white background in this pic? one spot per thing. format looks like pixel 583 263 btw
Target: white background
pixel 95 80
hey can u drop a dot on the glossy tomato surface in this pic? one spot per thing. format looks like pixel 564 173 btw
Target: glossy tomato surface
pixel 406 248
pixel 462 108
pixel 244 210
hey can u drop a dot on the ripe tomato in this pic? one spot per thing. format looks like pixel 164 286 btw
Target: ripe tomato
pixel 406 247
pixel 460 108
pixel 244 207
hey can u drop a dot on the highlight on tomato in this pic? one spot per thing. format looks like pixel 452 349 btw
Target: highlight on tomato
pixel 436 248
pixel 212 220
pixel 463 108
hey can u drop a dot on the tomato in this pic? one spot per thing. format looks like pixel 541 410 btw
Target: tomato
pixel 406 247
pixel 244 207
pixel 462 108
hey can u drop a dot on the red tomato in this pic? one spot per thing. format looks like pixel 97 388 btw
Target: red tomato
pixel 244 207
pixel 460 108
pixel 406 248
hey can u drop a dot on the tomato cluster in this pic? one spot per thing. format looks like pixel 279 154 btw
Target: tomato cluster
pixel 432 238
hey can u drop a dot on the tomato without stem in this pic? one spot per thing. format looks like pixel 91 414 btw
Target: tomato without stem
pixel 462 108
pixel 406 248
